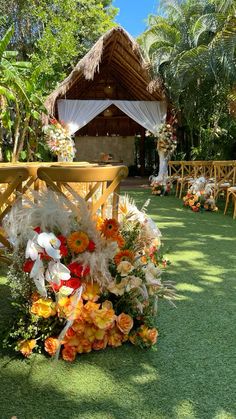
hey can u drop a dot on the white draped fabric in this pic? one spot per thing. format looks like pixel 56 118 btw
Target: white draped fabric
pixel 78 113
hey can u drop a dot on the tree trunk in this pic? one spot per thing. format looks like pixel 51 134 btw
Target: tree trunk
pixel 16 134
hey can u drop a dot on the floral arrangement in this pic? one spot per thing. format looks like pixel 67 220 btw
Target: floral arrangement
pixel 200 196
pixel 83 283
pixel 167 140
pixel 161 188
pixel 59 140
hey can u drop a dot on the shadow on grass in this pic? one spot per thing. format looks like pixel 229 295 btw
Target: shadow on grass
pixel 191 373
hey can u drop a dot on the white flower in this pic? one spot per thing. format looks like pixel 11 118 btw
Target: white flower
pixel 152 272
pixel 37 274
pixel 134 282
pixel 56 272
pixel 50 243
pixel 124 268
pixel 32 250
pixel 65 291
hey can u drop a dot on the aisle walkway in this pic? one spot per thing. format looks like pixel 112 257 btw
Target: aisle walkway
pixel 190 375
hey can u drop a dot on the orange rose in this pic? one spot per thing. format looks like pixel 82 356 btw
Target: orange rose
pixel 78 326
pixel 88 309
pixel 149 336
pixel 124 323
pixel 51 345
pixel 100 344
pixel 115 337
pixel 26 347
pixel 68 308
pixel 84 346
pixel 69 353
pixel 44 307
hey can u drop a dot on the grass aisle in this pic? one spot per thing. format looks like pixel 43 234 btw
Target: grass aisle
pixel 192 372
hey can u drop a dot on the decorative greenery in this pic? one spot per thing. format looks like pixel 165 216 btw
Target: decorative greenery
pixel 192 51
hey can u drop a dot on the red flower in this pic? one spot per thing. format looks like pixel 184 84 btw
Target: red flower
pixel 63 250
pixel 62 239
pixel 28 265
pixel 37 230
pixel 53 121
pixel 71 283
pixel 44 256
pixel 78 270
pixel 91 246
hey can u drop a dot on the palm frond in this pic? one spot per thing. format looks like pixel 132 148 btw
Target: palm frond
pixel 5 40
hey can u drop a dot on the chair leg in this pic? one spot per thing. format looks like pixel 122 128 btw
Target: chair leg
pixel 181 189
pixel 177 188
pixel 227 202
pixel 234 214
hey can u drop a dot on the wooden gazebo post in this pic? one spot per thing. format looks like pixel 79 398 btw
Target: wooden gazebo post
pixel 142 152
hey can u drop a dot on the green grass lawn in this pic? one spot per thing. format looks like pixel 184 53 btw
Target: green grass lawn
pixel 192 371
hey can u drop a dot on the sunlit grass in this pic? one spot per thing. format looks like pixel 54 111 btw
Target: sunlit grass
pixel 191 373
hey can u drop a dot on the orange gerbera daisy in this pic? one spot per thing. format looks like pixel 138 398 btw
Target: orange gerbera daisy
pixel 78 241
pixel 120 241
pixel 110 228
pixel 124 255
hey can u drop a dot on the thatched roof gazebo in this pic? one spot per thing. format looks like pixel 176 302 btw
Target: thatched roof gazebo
pixel 109 94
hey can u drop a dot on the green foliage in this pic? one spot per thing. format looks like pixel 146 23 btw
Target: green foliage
pixel 192 48
pixel 55 34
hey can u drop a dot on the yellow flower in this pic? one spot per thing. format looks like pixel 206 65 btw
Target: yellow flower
pixel 44 307
pixel 88 309
pixel 103 318
pixel 26 347
pixel 124 323
pixel 115 337
pixel 118 289
pixel 78 241
pixel 110 228
pixel 68 308
pixel 91 292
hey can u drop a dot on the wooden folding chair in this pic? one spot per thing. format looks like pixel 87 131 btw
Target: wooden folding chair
pixel 106 179
pixel 11 186
pixel 174 168
pixel 231 193
pixel 187 175
pixel 203 168
pixel 224 175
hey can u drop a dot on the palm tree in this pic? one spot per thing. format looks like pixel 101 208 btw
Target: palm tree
pixel 192 48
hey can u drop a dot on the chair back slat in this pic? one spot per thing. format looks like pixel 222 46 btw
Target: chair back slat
pixel 11 181
pixel 103 179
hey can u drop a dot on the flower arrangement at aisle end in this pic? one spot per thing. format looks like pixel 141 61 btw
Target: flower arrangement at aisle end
pixel 83 283
pixel 200 196
pixel 160 188
pixel 59 140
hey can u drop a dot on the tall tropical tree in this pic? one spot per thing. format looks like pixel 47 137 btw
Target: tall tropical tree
pixel 191 48
pixel 18 101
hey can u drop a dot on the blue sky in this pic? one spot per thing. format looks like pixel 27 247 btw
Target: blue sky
pixel 133 13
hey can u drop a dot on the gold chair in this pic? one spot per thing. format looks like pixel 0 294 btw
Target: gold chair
pixel 107 179
pixel 11 186
pixel 174 167
pixel 231 193
pixel 224 175
pixel 187 175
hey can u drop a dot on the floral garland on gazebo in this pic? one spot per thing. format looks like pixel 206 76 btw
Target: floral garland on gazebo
pixel 84 283
pixel 166 145
pixel 59 140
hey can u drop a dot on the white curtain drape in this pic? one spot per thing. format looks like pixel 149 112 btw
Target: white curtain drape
pixel 78 113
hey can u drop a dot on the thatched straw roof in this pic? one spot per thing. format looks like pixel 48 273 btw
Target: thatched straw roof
pixel 116 51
